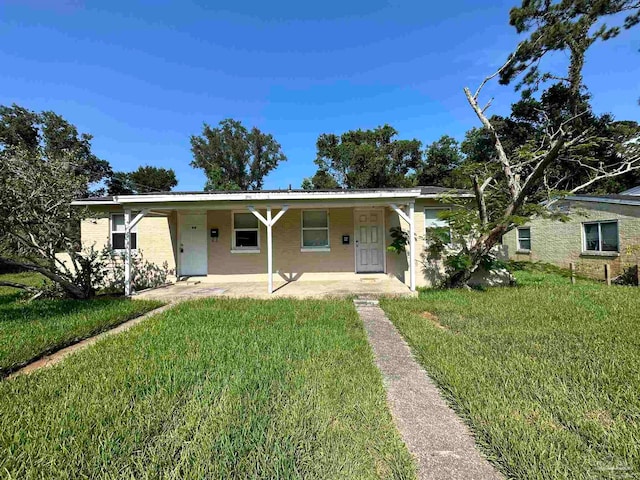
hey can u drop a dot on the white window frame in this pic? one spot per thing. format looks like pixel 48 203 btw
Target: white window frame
pixel 425 221
pixel 111 232
pixel 234 248
pixel 520 249
pixel 326 248
pixel 600 251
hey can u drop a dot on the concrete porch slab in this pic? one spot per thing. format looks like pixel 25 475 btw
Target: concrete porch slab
pixel 200 287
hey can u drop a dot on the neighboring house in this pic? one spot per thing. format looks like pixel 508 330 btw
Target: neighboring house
pixel 250 235
pixel 603 229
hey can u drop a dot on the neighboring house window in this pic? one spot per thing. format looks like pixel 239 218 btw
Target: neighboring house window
pixel 432 222
pixel 315 229
pixel 246 233
pixel 601 236
pixel 117 233
pixel 524 238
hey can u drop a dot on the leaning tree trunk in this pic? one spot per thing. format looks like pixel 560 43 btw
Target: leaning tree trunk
pixel 460 278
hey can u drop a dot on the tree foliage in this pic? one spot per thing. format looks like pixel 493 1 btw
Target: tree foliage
pixel 551 144
pixel 145 179
pixel 364 159
pixel 37 220
pixel 442 162
pixel 570 26
pixel 234 158
pixel 47 135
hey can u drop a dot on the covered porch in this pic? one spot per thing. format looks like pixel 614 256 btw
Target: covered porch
pixel 341 285
pixel 257 237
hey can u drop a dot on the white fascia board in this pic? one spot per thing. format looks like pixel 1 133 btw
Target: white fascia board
pixel 265 196
pixel 603 200
pixel 88 203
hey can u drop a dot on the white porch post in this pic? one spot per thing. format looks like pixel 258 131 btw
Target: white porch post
pixel 129 225
pixel 269 250
pixel 127 253
pixel 410 219
pixel 412 246
pixel 269 222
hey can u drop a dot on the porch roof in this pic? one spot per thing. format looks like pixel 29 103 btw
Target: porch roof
pixel 281 196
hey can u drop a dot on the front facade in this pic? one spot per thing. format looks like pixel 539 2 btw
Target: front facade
pixel 289 235
pixel 601 230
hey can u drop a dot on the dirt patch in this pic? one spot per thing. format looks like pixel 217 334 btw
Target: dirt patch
pixel 434 320
pixel 603 417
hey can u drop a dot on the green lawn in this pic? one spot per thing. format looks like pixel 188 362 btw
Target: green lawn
pixel 210 389
pixel 29 330
pixel 547 374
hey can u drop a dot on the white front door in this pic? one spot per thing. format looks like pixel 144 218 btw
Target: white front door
pixel 369 241
pixel 193 244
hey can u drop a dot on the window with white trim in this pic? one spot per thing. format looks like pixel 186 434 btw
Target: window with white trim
pixel 524 238
pixel 117 232
pixel 315 229
pixel 246 231
pixel 601 236
pixel 433 222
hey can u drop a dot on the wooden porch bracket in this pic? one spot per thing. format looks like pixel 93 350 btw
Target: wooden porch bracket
pixel 129 224
pixel 269 222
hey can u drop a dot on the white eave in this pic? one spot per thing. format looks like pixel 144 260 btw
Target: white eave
pixel 275 196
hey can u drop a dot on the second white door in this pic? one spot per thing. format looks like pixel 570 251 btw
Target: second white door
pixel 369 241
pixel 193 245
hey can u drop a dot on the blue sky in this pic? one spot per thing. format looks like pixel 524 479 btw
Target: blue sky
pixel 142 76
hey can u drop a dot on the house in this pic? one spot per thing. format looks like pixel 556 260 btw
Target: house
pixel 250 235
pixel 603 229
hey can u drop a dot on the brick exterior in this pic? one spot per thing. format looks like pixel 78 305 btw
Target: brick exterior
pixel 561 243
pixel 158 239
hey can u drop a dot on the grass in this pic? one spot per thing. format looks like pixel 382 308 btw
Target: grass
pixel 215 388
pixel 29 330
pixel 547 374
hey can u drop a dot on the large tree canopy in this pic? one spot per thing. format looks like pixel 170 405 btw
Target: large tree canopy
pixel 49 136
pixel 364 159
pixel 442 162
pixel 234 158
pixel 552 143
pixel 570 26
pixel 146 179
pixel 44 166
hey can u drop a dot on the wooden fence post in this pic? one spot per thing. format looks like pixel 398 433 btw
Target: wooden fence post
pixel 607 274
pixel 572 267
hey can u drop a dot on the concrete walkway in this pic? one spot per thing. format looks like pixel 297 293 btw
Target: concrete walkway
pixel 441 443
pixel 59 355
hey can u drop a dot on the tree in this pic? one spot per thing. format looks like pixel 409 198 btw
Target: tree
pixel 234 158
pixel 365 159
pixel 146 179
pixel 44 166
pixel 48 134
pixel 559 129
pixel 442 159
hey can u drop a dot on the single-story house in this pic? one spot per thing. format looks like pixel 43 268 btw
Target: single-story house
pixel 602 229
pixel 250 235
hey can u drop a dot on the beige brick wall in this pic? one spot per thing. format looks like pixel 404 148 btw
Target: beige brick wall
pixel 287 257
pixel 156 237
pixel 561 243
